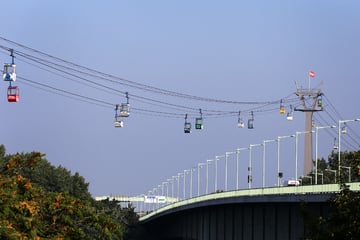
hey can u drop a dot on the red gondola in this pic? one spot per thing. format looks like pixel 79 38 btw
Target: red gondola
pixel 13 94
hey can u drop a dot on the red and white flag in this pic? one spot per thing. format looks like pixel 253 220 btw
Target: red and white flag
pixel 311 74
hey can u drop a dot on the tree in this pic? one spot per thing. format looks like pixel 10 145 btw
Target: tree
pixel 48 177
pixel 28 211
pixel 343 221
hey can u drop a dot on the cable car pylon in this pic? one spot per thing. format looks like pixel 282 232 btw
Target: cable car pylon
pixel 312 96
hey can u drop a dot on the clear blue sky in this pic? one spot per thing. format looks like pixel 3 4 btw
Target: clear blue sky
pixel 232 50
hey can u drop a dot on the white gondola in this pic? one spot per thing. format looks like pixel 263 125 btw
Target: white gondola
pixel 343 130
pixel 187 126
pixel 125 107
pixel 118 123
pixel 335 146
pixel 290 116
pixel 9 73
pixel 240 123
pixel 124 110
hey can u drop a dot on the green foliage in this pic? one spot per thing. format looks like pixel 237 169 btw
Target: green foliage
pixel 48 177
pixel 343 221
pixel 126 216
pixel 57 206
pixel 326 169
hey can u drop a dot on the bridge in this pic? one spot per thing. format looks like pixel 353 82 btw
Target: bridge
pixel 257 207
pixel 266 213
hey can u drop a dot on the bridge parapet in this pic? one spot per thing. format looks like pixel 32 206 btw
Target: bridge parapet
pixel 141 198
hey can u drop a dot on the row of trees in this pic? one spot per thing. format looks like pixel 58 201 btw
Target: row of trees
pixel 40 201
pixel 328 169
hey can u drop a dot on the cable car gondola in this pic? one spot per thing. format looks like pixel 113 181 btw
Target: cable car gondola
pixel 290 116
pixel 13 94
pixel 125 107
pixel 320 102
pixel 282 108
pixel 343 130
pixel 118 122
pixel 240 122
pixel 124 110
pixel 187 126
pixel 251 121
pixel 9 73
pixel 199 122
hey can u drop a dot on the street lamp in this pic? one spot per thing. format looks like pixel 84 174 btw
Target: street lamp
pixel 237 166
pixel 178 185
pixel 263 163
pixel 184 189
pixel 278 157
pixel 172 191
pixel 349 169
pixel 334 171
pixel 217 158
pixel 296 151
pixel 339 147
pixel 316 149
pixel 226 168
pixel 250 162
pixel 200 165
pixel 309 178
pixel 191 180
pixel 167 188
pixel 207 175
pixel 171 180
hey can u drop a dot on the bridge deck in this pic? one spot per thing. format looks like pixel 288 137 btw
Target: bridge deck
pixel 276 194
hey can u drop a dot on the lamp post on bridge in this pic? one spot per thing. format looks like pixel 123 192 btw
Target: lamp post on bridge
pixel 349 169
pixel 339 143
pixel 334 171
pixel 184 187
pixel 217 158
pixel 178 185
pixel 316 149
pixel 200 165
pixel 172 191
pixel 158 189
pixel 171 180
pixel 154 191
pixel 250 164
pixel 191 180
pixel 278 157
pixel 264 161
pixel 207 175
pixel 237 165
pixel 167 188
pixel 226 168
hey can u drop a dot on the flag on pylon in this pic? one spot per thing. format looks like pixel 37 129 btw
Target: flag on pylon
pixel 311 74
